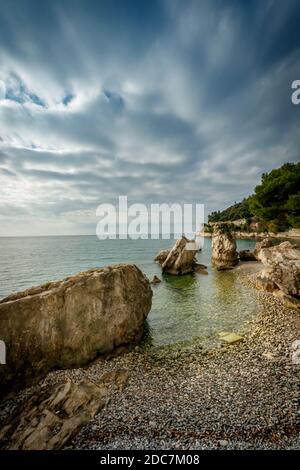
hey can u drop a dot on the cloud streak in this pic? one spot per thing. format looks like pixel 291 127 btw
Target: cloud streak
pixel 162 101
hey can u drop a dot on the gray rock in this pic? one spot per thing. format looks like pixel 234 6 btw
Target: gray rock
pixel 51 418
pixel 70 322
pixel 224 254
pixel 181 259
pixel 265 243
pixel 281 268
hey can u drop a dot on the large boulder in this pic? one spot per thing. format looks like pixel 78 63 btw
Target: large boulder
pixel 70 322
pixel 182 258
pixel 224 254
pixel 281 269
pixel 265 243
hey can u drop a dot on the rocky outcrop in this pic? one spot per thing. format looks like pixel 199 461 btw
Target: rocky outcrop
pixel 282 267
pixel 181 259
pixel 224 254
pixel 51 418
pixel 265 243
pixel 70 322
pixel 281 271
pixel 55 414
pixel 247 255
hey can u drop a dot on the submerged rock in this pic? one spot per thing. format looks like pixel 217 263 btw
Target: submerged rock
pixel 70 322
pixel 224 254
pixel 281 271
pixel 182 258
pixel 230 338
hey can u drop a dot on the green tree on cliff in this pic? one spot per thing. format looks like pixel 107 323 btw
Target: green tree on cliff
pixel 238 210
pixel 277 199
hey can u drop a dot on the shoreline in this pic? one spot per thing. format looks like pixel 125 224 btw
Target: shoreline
pixel 243 396
pixel 257 236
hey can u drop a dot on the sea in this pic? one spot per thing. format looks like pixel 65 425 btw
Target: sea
pixel 194 307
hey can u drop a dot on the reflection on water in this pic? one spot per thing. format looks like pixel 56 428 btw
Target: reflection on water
pixel 225 288
pixel 184 308
pixel 199 306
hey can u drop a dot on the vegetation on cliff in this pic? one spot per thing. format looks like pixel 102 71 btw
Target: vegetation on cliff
pixel 239 210
pixel 274 206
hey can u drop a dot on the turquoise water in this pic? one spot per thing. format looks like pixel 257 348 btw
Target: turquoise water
pixel 184 308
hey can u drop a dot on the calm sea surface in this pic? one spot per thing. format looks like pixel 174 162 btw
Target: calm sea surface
pixel 184 308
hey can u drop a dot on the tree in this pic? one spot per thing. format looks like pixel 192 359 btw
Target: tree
pixel 293 208
pixel 239 210
pixel 276 199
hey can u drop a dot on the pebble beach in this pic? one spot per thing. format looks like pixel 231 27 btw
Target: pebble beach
pixel 240 396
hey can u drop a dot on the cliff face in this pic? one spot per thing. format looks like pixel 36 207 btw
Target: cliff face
pixel 68 323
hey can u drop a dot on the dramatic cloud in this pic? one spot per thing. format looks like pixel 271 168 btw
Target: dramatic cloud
pixel 163 101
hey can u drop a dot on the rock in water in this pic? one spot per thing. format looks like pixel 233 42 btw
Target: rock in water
pixel 281 270
pixel 155 280
pixel 224 254
pixel 161 256
pixel 68 323
pixel 230 338
pixel 181 259
pixel 200 268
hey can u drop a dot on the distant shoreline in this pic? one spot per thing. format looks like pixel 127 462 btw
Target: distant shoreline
pixel 292 234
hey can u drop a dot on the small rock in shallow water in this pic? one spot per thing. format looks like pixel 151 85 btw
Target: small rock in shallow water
pixel 155 280
pixel 230 338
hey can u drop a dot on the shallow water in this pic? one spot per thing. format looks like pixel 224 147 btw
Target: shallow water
pixel 184 308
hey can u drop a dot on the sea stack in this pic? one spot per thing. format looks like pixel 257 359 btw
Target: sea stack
pixel 181 259
pixel 224 254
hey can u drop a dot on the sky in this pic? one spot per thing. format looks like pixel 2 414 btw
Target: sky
pixel 162 101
